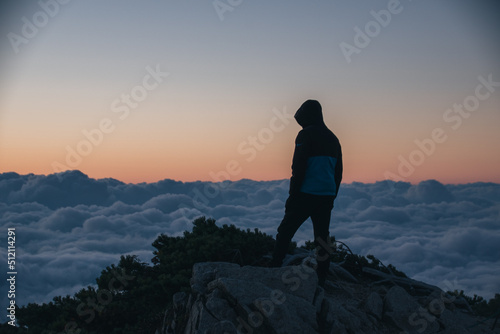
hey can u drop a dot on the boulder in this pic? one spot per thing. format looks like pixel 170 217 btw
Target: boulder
pixel 229 299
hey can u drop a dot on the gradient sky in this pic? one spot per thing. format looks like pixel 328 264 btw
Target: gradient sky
pixel 230 74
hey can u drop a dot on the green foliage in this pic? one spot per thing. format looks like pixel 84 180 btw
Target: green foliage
pixel 479 305
pixel 118 301
pixel 208 242
pixel 47 318
pixel 131 297
pixel 175 256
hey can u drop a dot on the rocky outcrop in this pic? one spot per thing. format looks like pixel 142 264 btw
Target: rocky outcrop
pixel 229 299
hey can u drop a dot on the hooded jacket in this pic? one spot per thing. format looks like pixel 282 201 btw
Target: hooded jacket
pixel 317 159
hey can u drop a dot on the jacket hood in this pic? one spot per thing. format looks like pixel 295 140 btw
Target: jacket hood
pixel 309 113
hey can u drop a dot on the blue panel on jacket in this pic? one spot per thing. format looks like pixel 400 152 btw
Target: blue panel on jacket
pixel 320 176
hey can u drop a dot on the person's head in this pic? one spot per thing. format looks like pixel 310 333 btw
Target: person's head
pixel 309 113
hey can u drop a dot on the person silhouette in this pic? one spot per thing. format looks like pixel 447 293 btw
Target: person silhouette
pixel 316 175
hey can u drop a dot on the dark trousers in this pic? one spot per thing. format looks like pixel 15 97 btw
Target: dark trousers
pixel 298 208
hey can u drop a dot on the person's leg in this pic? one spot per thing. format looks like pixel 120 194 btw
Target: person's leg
pixel 296 213
pixel 321 224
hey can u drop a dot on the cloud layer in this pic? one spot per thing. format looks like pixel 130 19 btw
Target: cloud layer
pixel 70 227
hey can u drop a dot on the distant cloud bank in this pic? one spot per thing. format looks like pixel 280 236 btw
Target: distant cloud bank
pixel 69 227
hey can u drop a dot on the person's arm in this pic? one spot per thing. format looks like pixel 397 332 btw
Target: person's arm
pixel 299 163
pixel 339 169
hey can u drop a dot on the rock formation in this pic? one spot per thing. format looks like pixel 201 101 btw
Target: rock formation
pixel 226 298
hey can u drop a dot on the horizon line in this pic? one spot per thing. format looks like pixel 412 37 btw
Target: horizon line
pixel 242 179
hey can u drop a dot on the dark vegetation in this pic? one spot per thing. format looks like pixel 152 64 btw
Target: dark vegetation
pixel 131 297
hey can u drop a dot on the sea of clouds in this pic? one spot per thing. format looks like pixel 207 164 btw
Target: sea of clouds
pixel 69 227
